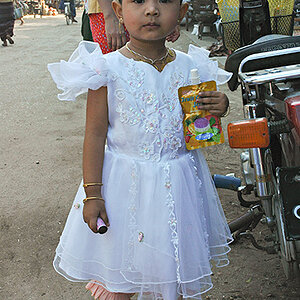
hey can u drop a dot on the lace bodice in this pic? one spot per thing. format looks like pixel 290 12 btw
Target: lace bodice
pixel 145 116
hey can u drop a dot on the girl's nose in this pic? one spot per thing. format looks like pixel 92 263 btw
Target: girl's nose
pixel 152 8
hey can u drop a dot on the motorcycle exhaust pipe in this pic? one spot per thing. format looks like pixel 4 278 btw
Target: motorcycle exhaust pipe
pixel 244 221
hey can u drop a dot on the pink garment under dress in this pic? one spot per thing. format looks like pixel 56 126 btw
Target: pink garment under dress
pixel 167 223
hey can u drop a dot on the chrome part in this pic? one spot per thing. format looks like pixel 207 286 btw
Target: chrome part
pixel 284 86
pixel 252 94
pixel 247 171
pixel 297 178
pixel 278 74
pixel 250 110
pixel 284 247
pixel 261 178
pixel 266 203
pixel 270 221
pixel 270 89
pixel 296 211
pixel 262 55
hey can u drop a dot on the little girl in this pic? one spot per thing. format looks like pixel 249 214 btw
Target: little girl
pixel 165 222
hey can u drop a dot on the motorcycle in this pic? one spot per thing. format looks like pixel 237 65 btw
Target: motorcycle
pixel 268 72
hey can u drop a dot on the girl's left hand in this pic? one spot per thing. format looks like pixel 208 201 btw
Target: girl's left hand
pixel 215 102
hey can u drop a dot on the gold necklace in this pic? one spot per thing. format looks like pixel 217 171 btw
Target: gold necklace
pixel 151 61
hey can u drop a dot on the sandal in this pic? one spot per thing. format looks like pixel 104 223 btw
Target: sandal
pixel 11 41
pixel 4 44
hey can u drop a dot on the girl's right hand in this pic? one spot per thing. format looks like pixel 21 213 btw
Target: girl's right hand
pixel 93 209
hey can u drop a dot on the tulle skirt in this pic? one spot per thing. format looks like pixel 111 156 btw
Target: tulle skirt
pixel 167 226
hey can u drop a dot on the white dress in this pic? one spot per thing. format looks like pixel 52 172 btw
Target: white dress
pixel 154 188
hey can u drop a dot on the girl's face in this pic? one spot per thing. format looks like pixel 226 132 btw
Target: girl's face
pixel 150 20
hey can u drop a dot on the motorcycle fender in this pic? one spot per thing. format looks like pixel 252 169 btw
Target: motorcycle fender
pixel 289 189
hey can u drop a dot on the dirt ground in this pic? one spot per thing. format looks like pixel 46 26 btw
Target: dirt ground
pixel 40 167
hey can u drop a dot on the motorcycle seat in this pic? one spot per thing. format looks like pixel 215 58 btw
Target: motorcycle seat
pixel 264 44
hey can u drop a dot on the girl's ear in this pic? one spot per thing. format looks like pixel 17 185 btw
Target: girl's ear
pixel 183 9
pixel 117 7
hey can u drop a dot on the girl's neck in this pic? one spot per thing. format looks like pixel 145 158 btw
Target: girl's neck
pixel 151 49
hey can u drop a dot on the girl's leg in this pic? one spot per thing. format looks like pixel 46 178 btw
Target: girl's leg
pixel 99 292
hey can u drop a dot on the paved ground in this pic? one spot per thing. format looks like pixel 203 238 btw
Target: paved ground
pixel 40 169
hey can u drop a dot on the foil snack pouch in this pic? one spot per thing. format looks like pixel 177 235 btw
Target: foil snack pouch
pixel 201 129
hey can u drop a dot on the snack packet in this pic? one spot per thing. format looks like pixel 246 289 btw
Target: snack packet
pixel 201 129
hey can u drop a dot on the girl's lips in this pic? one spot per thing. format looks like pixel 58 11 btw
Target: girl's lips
pixel 151 25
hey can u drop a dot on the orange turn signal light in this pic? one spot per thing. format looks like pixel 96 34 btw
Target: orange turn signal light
pixel 253 133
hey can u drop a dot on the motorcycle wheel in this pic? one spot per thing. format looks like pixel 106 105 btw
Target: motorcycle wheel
pixel 289 255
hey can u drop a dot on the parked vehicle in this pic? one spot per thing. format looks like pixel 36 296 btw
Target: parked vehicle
pixel 268 72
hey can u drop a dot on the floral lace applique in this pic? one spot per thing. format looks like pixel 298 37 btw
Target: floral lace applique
pixel 146 150
pixel 132 218
pixel 152 112
pixel 177 80
pixel 136 76
pixel 128 116
pixel 172 219
pixel 151 125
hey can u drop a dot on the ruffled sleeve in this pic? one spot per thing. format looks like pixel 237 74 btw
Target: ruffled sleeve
pixel 207 68
pixel 85 69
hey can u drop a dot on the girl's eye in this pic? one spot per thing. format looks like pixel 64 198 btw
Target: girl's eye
pixel 165 1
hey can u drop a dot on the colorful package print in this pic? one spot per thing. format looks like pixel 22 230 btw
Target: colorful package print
pixel 201 129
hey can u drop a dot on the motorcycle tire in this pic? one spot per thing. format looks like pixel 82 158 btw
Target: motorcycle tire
pixel 290 265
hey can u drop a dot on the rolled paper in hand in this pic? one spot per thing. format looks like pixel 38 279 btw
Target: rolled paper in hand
pixel 101 227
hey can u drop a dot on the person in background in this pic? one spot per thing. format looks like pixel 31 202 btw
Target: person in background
pixel 72 6
pixel 85 24
pixel 105 26
pixel 7 21
pixel 19 5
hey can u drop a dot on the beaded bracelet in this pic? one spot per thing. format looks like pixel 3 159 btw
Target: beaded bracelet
pixel 92 184
pixel 92 198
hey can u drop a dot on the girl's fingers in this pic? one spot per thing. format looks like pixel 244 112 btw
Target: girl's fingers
pixel 216 112
pixel 210 94
pixel 93 224
pixel 209 100
pixel 207 107
pixel 103 216
pixel 91 211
